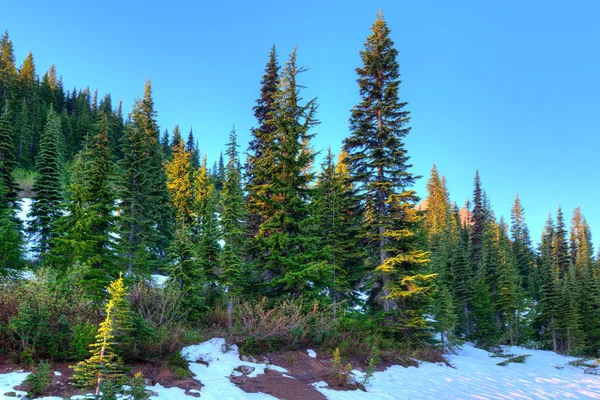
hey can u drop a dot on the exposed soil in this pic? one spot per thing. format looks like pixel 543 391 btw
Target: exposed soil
pixel 303 371
pixel 296 384
pixel 277 385
pixel 153 373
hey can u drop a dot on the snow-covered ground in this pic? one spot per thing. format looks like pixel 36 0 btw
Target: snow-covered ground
pixel 476 375
pixel 22 215
pixel 544 375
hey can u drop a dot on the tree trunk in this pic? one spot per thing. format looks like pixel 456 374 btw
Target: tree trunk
pixel 230 311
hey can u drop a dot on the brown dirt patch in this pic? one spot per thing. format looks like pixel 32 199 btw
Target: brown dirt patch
pixel 153 373
pixel 277 385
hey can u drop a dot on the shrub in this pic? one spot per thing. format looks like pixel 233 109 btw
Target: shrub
pixel 179 366
pixel 25 179
pixel 137 389
pixel 517 359
pixel 158 306
pixel 38 381
pixel 283 324
pixel 82 335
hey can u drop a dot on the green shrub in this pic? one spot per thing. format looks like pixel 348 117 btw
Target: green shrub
pixel 38 381
pixel 179 366
pixel 25 179
pixel 82 335
pixel 518 359
pixel 137 389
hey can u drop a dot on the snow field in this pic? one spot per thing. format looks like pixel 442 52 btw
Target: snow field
pixel 476 375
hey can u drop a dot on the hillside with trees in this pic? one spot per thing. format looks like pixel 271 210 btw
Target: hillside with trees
pixel 138 247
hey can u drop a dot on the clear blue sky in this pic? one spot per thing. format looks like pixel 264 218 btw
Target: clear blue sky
pixel 508 87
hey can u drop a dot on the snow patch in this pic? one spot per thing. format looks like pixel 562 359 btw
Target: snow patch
pixel 9 381
pixel 25 206
pixel 477 375
pixel 222 360
pixel 159 281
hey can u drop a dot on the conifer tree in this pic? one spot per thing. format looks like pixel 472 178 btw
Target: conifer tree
pixel 9 198
pixel 478 223
pixel 23 135
pixel 588 291
pixel 179 183
pixel 560 245
pixel 521 244
pixel 379 167
pixel 485 329
pixel 445 316
pixel 85 231
pixel 438 207
pixel 191 148
pixel 185 267
pixel 11 240
pixel 335 223
pixel 550 288
pixel 8 70
pixel 177 139
pixel 571 324
pixel 283 259
pixel 261 139
pixel 232 261
pixel 207 225
pixel 146 215
pixel 45 208
pixel 104 364
pixel 509 300
pixel 164 144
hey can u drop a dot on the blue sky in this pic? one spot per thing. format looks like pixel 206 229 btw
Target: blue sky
pixel 510 88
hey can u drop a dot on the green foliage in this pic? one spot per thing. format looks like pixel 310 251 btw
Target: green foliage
pixel 11 244
pixel 83 335
pixel 104 369
pixel 378 166
pixel 39 380
pixel 137 389
pixel 517 359
pixel 146 217
pixel 25 179
pixel 179 366
pixel 45 209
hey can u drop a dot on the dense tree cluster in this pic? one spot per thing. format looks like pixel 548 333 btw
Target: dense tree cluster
pixel 501 288
pixel 111 195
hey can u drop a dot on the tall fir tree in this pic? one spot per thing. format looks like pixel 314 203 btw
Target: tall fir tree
pixel 521 245
pixel 261 139
pixel 207 225
pixel 179 183
pixel 234 273
pixel 11 240
pixel 548 317
pixel 45 208
pixel 9 197
pixel 8 70
pixel 84 232
pixel 379 167
pixel 283 260
pixel 560 245
pixel 510 296
pixel 191 148
pixel 146 215
pixel 477 224
pixel 335 222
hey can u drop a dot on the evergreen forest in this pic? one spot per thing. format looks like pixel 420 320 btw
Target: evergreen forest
pixel 133 245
